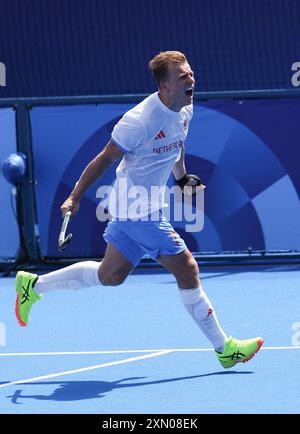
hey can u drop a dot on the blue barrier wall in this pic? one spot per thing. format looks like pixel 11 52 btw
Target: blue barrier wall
pixel 243 150
pixel 79 47
pixel 9 234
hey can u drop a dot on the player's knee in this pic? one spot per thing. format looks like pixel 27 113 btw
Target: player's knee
pixel 188 277
pixel 113 279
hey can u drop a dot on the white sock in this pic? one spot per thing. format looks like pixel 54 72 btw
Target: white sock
pixel 199 307
pixel 76 276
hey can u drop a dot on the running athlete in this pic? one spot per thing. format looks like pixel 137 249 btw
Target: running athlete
pixel 149 140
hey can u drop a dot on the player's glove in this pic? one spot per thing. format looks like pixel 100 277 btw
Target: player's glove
pixel 190 181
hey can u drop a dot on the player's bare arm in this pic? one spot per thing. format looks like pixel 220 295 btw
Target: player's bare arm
pixel 183 179
pixel 179 169
pixel 93 171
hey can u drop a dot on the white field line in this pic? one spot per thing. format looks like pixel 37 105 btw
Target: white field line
pixel 180 350
pixel 153 353
pixel 88 368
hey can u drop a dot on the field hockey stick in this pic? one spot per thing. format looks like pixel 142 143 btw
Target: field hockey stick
pixel 62 241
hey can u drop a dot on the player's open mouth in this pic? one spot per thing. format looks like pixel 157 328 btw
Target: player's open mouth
pixel 189 91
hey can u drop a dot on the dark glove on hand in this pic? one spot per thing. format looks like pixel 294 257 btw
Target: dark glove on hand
pixel 191 181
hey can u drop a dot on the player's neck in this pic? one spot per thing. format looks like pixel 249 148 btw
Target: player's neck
pixel 171 105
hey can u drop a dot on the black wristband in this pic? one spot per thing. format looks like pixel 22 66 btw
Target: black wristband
pixel 186 178
pixel 182 181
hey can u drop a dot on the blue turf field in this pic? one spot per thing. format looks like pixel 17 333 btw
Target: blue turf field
pixel 134 349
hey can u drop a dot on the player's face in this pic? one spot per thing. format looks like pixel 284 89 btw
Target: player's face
pixel 180 85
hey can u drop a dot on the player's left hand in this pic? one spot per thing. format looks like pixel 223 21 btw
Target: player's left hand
pixel 190 184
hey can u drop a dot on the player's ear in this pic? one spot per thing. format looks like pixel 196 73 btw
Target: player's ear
pixel 164 86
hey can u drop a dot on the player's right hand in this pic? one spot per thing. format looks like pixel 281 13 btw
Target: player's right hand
pixel 70 204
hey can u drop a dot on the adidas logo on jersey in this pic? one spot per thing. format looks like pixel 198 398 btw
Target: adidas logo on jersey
pixel 160 135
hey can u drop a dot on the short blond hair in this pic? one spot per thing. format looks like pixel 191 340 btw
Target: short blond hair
pixel 160 63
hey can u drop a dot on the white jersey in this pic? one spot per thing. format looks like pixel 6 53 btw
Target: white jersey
pixel 152 136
